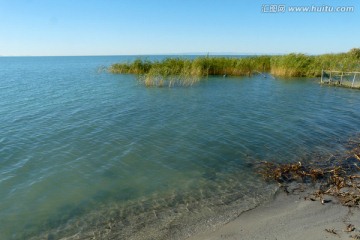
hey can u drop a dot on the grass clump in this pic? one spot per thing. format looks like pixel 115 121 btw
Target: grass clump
pixel 291 65
pixel 170 72
pixel 301 65
pixel 185 72
pixel 139 66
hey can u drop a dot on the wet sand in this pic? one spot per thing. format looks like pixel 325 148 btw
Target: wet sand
pixel 290 217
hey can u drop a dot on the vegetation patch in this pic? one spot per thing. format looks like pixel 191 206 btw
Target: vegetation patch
pixel 185 72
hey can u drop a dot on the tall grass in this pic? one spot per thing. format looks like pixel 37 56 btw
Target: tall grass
pixel 185 72
pixel 300 65
pixel 291 65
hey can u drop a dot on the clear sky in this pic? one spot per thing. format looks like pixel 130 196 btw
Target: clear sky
pixel 123 27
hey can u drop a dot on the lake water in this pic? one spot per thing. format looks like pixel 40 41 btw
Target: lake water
pixel 85 153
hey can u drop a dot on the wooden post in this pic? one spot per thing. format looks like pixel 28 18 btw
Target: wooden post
pixel 341 78
pixel 352 85
pixel 322 73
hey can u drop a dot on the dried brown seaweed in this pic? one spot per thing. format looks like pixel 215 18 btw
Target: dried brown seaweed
pixel 337 176
pixel 349 228
pixel 333 231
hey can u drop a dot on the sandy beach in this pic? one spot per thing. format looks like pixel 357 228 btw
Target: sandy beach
pixel 291 217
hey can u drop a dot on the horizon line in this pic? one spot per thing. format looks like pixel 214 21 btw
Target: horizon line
pixel 170 54
pixel 146 54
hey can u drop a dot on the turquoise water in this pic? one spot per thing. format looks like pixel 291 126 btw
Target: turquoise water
pixel 81 148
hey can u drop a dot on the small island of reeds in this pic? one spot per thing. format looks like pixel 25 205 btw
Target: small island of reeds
pixel 185 72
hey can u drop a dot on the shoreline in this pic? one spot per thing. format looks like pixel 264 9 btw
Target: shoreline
pixel 290 216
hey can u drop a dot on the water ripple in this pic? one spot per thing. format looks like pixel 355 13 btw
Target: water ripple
pixel 73 141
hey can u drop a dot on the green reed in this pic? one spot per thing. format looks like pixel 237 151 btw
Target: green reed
pixel 185 72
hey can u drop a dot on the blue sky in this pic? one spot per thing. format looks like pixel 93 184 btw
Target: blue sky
pixel 126 27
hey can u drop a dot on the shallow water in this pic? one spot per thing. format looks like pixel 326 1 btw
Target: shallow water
pixel 81 148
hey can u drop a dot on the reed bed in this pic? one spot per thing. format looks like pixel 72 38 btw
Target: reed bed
pixel 185 72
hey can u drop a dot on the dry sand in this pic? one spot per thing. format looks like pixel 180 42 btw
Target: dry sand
pixel 290 217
